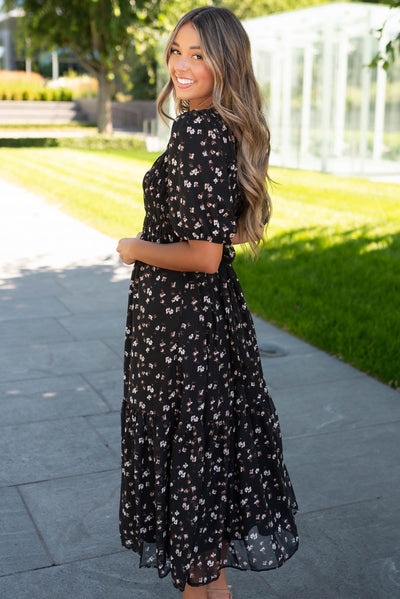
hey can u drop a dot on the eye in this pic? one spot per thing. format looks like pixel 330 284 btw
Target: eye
pixel 197 57
pixel 174 51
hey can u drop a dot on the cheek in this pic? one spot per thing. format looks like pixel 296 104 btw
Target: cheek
pixel 207 76
pixel 210 80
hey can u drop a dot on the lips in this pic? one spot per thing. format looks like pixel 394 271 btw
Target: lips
pixel 184 82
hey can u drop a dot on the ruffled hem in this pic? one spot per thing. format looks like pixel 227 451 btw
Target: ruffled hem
pixel 233 507
pixel 235 559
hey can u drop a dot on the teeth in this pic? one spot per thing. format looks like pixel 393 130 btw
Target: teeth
pixel 184 81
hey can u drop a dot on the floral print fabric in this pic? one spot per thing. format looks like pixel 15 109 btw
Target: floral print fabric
pixel 204 485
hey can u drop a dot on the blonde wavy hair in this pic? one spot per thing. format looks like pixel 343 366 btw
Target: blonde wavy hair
pixel 236 97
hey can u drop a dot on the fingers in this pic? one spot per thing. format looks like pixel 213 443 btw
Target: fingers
pixel 124 250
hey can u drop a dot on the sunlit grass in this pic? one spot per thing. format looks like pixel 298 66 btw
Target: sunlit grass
pixel 329 272
pixel 104 189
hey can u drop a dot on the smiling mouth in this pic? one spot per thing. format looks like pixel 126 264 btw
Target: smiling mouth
pixel 184 82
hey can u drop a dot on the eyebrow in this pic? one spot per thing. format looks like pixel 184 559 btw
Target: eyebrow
pixel 190 47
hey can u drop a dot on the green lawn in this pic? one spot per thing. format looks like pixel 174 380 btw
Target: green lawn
pixel 102 188
pixel 329 272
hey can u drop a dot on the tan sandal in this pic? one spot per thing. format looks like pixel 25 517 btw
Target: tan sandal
pixel 219 593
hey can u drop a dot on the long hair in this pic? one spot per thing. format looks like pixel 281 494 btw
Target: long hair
pixel 236 97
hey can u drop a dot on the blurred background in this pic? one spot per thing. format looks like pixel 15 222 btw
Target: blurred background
pixel 328 72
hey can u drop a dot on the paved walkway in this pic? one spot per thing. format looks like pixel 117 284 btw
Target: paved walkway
pixel 62 306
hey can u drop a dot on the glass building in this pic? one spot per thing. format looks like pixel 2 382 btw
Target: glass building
pixel 326 109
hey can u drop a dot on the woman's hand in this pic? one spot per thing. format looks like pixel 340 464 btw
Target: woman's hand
pixel 126 249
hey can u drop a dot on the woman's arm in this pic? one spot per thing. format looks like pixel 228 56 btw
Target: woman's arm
pixel 183 256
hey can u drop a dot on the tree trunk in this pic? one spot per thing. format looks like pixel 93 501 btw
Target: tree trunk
pixel 104 118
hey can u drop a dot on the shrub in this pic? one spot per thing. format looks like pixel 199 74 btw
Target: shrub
pixel 18 85
pixel 27 95
pixel 92 142
pixel 78 86
pixel 45 95
pixel 65 95
pixel 22 78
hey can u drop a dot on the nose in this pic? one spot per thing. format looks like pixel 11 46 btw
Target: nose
pixel 181 63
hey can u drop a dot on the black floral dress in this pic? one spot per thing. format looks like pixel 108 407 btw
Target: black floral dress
pixel 204 485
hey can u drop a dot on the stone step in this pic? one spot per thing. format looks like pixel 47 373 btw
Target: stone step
pixel 40 112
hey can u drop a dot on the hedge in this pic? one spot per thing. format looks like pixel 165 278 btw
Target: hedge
pixel 94 142
pixel 42 95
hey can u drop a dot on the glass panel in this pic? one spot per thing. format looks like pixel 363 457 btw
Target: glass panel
pixel 296 101
pixel 316 100
pixel 391 136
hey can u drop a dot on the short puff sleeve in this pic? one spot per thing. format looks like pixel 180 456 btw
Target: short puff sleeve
pixel 201 178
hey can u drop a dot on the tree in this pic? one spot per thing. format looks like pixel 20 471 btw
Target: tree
pixel 101 33
pixel 391 52
pixel 247 9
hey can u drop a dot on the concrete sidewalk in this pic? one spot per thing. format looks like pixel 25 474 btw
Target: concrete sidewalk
pixel 62 312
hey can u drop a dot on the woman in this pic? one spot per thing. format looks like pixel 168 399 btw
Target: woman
pixel 204 485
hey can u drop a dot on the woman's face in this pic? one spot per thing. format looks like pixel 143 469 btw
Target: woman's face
pixel 192 79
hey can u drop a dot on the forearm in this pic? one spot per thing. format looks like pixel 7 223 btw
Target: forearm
pixel 173 256
pixel 183 256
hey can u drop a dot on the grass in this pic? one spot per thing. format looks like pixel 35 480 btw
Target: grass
pixel 102 188
pixel 329 272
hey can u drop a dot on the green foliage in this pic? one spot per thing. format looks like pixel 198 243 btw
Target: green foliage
pixel 44 95
pixel 391 52
pixel 243 9
pixel 101 33
pixel 90 142
pixel 65 95
pixel 18 85
pixel 75 86
pixel 247 9
pixel 144 74
pixel 389 55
